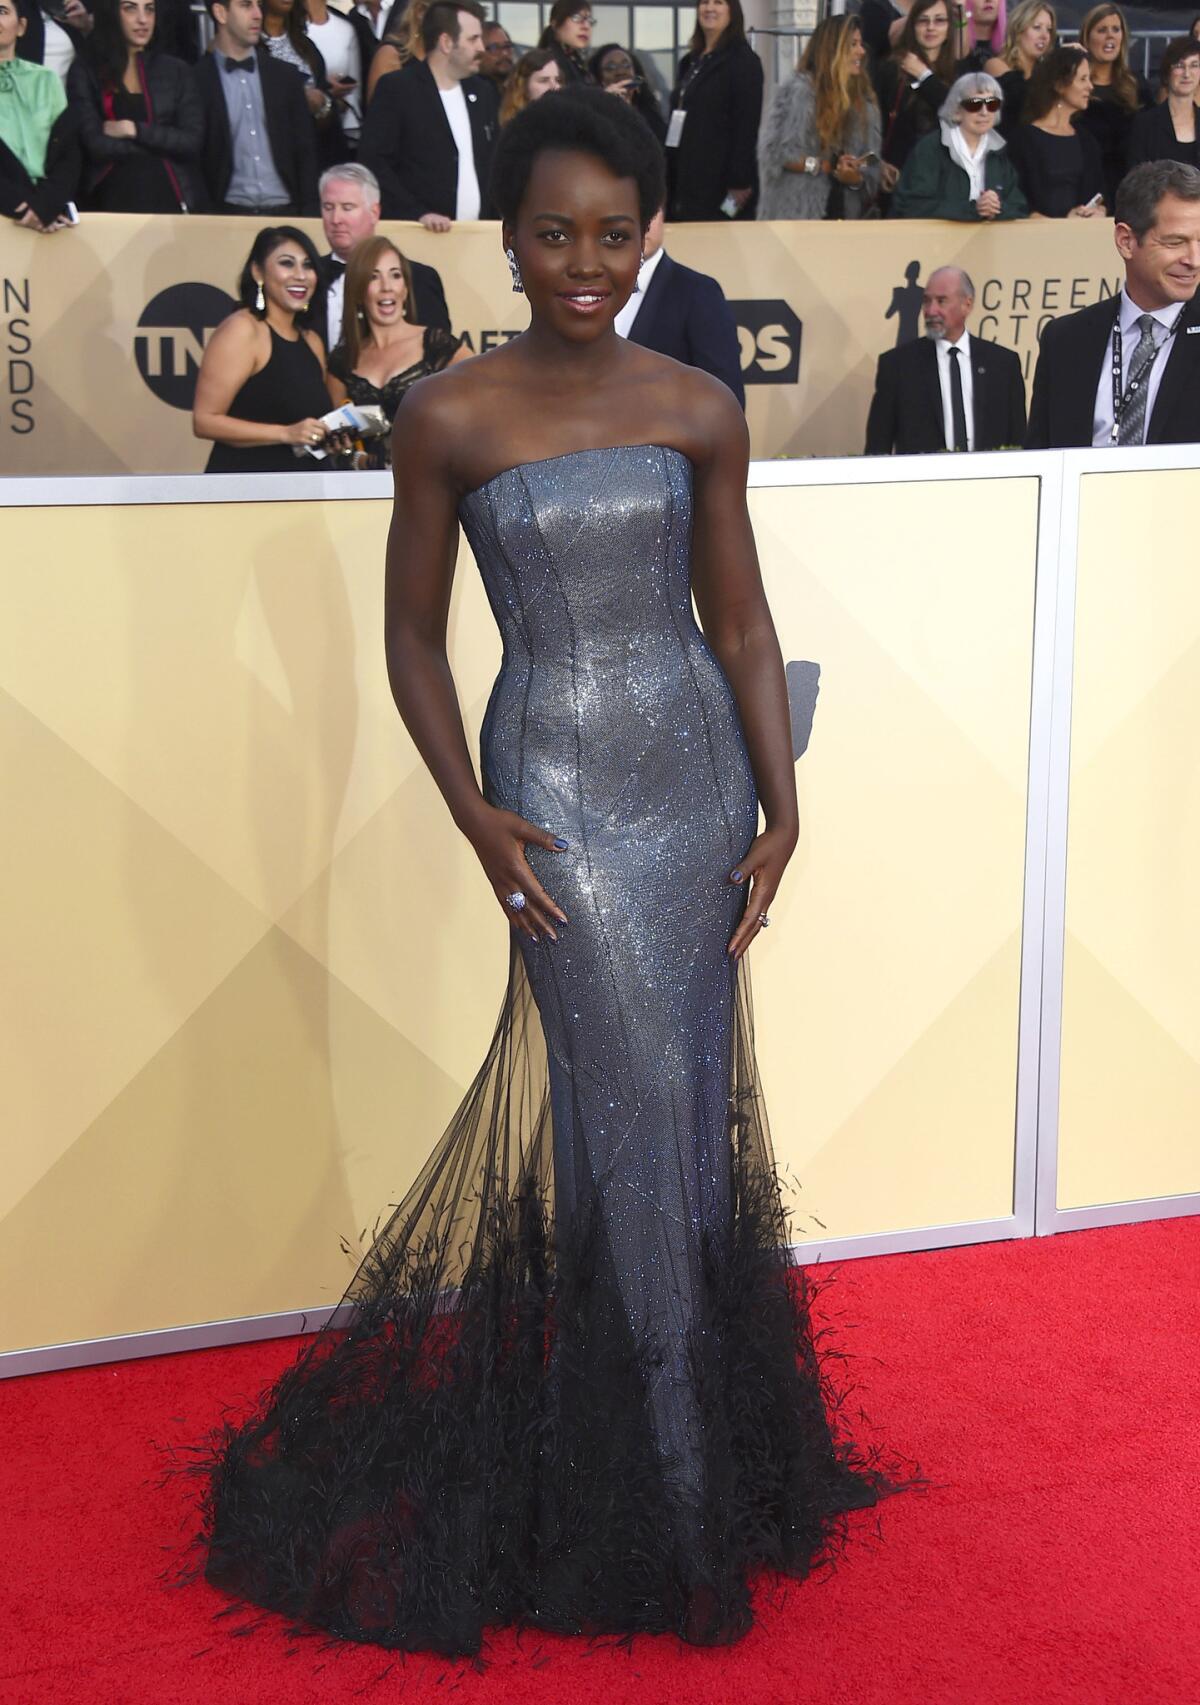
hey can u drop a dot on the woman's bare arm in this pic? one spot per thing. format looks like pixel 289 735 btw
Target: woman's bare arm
pixel 421 553
pixel 231 358
pixel 737 623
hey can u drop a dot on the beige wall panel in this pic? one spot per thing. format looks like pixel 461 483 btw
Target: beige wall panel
pixel 263 967
pixel 888 992
pixel 1130 1101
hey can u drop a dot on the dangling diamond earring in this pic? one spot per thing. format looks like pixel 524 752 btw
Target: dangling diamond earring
pixel 637 283
pixel 260 301
pixel 514 268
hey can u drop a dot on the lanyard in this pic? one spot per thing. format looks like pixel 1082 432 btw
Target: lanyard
pixel 1122 399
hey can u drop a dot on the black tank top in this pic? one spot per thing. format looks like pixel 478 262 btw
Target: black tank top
pixel 290 387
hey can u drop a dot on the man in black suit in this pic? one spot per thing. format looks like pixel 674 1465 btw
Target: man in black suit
pixel 350 213
pixel 947 390
pixel 429 132
pixel 682 313
pixel 1129 372
pixel 260 146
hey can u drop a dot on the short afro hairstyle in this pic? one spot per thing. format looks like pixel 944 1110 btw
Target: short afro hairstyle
pixel 585 120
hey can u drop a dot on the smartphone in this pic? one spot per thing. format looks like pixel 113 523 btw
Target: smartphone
pixel 1096 200
pixel 871 158
pixel 729 207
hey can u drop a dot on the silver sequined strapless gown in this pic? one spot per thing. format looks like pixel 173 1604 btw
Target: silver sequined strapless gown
pixel 577 1387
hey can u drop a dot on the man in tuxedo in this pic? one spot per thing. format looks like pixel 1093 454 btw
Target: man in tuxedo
pixel 947 390
pixel 260 147
pixel 430 130
pixel 1129 372
pixel 350 213
pixel 682 313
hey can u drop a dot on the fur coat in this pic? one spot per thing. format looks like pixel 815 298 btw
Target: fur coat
pixel 789 132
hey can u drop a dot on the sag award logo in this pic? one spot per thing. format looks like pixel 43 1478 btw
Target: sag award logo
pixel 768 342
pixel 171 335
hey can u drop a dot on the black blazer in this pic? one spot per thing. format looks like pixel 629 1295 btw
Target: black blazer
pixel 290 131
pixel 906 410
pixel 429 296
pixel 717 151
pixel 685 315
pixel 176 133
pixel 47 195
pixel 407 142
pixel 1152 137
pixel 1073 355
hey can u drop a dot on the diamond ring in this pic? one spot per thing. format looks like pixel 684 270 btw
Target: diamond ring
pixel 516 901
pixel 764 920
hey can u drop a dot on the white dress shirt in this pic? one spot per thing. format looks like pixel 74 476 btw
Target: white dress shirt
pixel 623 323
pixel 58 54
pixel 338 46
pixel 334 303
pixel 467 201
pixel 1127 324
pixel 943 346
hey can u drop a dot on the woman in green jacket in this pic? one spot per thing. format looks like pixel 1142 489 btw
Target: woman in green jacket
pixel 962 170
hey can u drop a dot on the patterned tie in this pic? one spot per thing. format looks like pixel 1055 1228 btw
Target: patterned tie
pixel 1132 429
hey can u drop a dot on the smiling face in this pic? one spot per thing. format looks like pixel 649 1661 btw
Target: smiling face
pixel 137 23
pixel 1105 38
pixel 713 16
pixel 1164 267
pixel 1036 37
pixel 12 28
pixel 540 83
pixel 348 217
pixel 497 51
pixel 288 278
pixel 856 53
pixel 1184 79
pixel 575 32
pixel 931 30
pixel 386 295
pixel 578 240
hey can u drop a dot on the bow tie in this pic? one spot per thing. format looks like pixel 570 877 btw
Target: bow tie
pixel 240 64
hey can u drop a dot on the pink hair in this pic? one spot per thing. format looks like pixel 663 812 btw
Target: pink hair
pixel 999 30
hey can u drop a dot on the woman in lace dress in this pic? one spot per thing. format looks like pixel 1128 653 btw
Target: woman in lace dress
pixel 382 352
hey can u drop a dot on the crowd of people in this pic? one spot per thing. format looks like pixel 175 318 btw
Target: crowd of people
pixel 902 109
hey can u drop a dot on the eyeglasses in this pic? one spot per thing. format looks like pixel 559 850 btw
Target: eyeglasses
pixel 581 18
pixel 981 103
pixel 497 47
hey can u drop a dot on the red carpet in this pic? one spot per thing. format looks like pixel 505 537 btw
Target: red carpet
pixel 1051 1388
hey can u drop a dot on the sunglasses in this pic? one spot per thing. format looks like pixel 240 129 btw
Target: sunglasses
pixel 982 103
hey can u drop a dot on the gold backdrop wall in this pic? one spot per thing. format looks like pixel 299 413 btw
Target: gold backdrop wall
pixel 103 327
pixel 1129 1108
pixel 251 967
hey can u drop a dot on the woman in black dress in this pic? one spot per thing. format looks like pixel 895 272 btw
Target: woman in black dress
pixel 1057 161
pixel 260 391
pixel 1168 131
pixel 913 82
pixel 1117 95
pixel 716 109
pixel 383 353
pixel 140 116
pixel 1031 32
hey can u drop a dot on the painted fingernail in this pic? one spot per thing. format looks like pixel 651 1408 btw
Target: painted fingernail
pixel 560 843
pixel 532 937
pixel 737 877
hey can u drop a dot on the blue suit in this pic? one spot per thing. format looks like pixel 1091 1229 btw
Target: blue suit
pixel 685 315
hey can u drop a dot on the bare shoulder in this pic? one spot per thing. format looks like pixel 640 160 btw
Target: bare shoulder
pixel 316 343
pixel 716 421
pixel 450 419
pixel 242 329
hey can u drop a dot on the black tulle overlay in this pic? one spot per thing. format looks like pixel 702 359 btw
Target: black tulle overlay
pixel 478 1446
pixel 574 1384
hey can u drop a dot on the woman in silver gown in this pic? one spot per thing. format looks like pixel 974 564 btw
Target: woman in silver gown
pixel 575 1384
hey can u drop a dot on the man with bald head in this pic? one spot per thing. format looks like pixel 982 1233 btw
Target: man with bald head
pixel 947 390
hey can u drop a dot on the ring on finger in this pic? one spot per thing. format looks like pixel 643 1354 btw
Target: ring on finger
pixel 515 901
pixel 764 920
